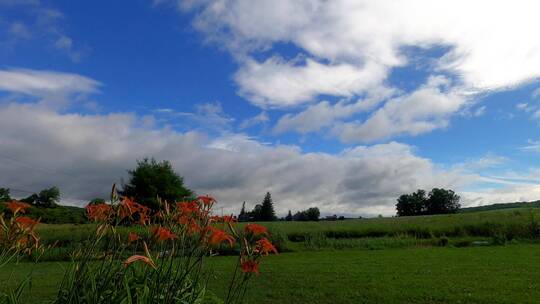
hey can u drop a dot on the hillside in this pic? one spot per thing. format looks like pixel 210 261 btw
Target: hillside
pixel 535 204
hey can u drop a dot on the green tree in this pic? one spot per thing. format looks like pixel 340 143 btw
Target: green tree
pixel 4 195
pixel 442 201
pixel 313 214
pixel 267 209
pixel 96 201
pixel 47 198
pixel 411 204
pixel 152 179
pixel 256 213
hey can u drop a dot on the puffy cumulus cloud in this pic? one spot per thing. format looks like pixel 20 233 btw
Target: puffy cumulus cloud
pixel 324 113
pixel 349 47
pixel 421 111
pixel 375 31
pixel 85 154
pixel 276 83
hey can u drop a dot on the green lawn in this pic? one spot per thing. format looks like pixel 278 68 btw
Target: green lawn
pixel 494 274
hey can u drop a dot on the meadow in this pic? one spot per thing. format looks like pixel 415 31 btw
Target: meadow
pixel 478 257
pixel 457 230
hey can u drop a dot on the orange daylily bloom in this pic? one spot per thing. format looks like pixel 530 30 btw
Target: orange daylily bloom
pixel 99 212
pixel 132 237
pixel 264 246
pixel 163 234
pixel 193 227
pixel 16 206
pixel 206 199
pixel 188 208
pixel 255 229
pixel 144 219
pixel 219 236
pixel 26 222
pixel 129 208
pixel 250 266
pixel 135 258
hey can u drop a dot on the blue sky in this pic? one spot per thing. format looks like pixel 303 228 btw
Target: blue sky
pixel 267 91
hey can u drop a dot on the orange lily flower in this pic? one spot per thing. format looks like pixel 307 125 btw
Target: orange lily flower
pixel 16 206
pixel 250 266
pixel 264 246
pixel 99 212
pixel 132 237
pixel 219 236
pixel 188 208
pixel 26 222
pixel 136 258
pixel 255 229
pixel 206 199
pixel 163 234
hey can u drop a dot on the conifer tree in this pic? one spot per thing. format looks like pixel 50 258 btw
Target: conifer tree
pixel 267 209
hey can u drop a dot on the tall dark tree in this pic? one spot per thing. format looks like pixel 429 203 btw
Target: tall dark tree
pixel 152 179
pixel 411 204
pixel 267 208
pixel 289 216
pixel 442 201
pixel 243 216
pixel 4 195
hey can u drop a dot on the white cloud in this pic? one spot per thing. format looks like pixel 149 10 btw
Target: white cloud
pixel 421 111
pixel 261 118
pixel 514 193
pixel 42 24
pixel 54 89
pixel 85 154
pixel 276 83
pixel 532 146
pixel 19 30
pixel 208 116
pixel 535 93
pixel 487 161
pixel 348 48
pixel 352 31
pixel 38 83
pixel 325 114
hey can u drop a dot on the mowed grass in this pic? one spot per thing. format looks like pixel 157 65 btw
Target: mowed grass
pixel 496 274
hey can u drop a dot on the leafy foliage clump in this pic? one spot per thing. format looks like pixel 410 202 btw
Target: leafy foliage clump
pixel 439 201
pixel 152 179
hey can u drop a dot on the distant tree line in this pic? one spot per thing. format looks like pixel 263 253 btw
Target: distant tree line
pixel 310 214
pixel 263 212
pixel 438 201
pixel 46 198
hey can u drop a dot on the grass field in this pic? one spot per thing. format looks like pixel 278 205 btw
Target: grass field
pixel 461 230
pixel 478 257
pixel 498 274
